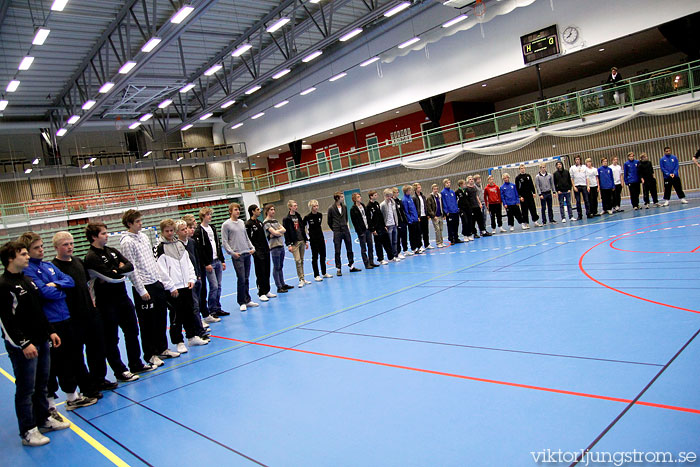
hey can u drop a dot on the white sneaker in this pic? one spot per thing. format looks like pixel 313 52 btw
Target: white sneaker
pixel 572 218
pixel 665 203
pixel 211 319
pixel 384 262
pixel 421 249
pixel 301 284
pixel 318 278
pixel 538 224
pixel 307 282
pixel 502 229
pixel 512 229
pixel 430 247
pixel 182 348
pixel 563 220
pixel 271 295
pixel 263 298
pixel 408 253
pixel 684 201
pixel 524 226
pixel 252 304
pixel 167 353
pixel 154 360
pixel 53 425
pixel 441 245
pixel 471 238
pixel 196 340
pixel 205 325
pixel 401 256
pixel 243 308
pixel 396 260
pixel 328 276
pixel 34 438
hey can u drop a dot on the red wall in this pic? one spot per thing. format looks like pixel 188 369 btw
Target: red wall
pixel 345 142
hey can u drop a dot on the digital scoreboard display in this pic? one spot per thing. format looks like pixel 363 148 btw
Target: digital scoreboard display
pixel 540 44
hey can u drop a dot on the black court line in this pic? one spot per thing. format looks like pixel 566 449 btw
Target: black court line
pixel 631 404
pixel 483 348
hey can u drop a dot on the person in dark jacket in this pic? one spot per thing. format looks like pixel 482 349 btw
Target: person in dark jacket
pixel 412 217
pixel 421 201
pixel 631 178
pixel 436 213
pixel 295 239
pixel 261 257
pixel 646 175
pixel 465 212
pixel 449 199
pixel 314 222
pixel 211 258
pixel 544 183
pixel 527 192
pixel 669 166
pixel 615 79
pixel 377 226
pixel 402 227
pixel 475 205
pixel 337 219
pixel 28 336
pixel 359 218
pixel 511 200
pixel 562 183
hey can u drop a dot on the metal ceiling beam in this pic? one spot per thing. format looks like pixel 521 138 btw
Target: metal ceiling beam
pixel 4 6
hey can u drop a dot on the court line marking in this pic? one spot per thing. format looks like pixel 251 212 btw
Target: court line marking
pixel 113 458
pixel 470 378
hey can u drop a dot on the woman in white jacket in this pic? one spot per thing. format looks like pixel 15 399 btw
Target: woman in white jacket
pixel 174 261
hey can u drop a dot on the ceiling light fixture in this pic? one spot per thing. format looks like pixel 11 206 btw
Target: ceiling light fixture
pixel 281 104
pixel 41 35
pixel 241 49
pixel 311 56
pixel 228 104
pixel 104 89
pixel 350 35
pixel 205 116
pixel 134 125
pixel 186 127
pixel 307 91
pixel 86 166
pixel 12 86
pixel 58 5
pixel 74 119
pixel 165 103
pixel 454 21
pixel 213 70
pixel 145 117
pixel 127 67
pixel 181 14
pixel 61 132
pixel 187 87
pixel 400 7
pixel 409 42
pixel 237 125
pixel 89 104
pixel 192 150
pixel 93 159
pixel 278 24
pixel 370 61
pixel 338 76
pixel 28 171
pixel 281 73
pixel 257 116
pixel 25 63
pixel 151 44
pixel 3 104
pixel 35 161
pixel 252 90
pixel 148 154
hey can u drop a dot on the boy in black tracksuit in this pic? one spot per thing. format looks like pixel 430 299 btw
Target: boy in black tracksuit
pixel 465 211
pixel 375 218
pixel 527 192
pixel 261 257
pixel 314 221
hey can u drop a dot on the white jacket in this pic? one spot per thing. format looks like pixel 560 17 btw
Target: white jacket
pixel 174 260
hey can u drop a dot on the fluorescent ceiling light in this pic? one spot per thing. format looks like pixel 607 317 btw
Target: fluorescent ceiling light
pixel 59 5
pixel 181 14
pixel 258 115
pixel 180 158
pixel 252 90
pixel 314 1
pixel 213 70
pixel 134 125
pixel 35 161
pixel 61 132
pixel 187 87
pixel 281 104
pixel 370 61
pixel 41 35
pixel 400 7
pixel 278 24
pixel 338 76
pixel 148 154
pixel 205 116
pixel 151 44
pixel 350 35
pixel 228 104
pixel 454 21
pixel 281 73
pixel 192 150
pixel 243 48
pixel 86 166
pixel 3 104
pixel 25 63
pixel 74 119
pixel 311 56
pixel 186 127
pixel 145 117
pixel 12 86
pixel 28 171
pixel 237 125
pixel 165 103
pixel 106 87
pixel 409 42
pixel 93 159
pixel 307 91
pixel 89 104
pixel 127 67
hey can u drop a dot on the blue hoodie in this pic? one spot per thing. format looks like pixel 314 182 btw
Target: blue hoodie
pixel 409 208
pixel 631 174
pixel 54 299
pixel 449 201
pixel 509 194
pixel 605 175
pixel 669 165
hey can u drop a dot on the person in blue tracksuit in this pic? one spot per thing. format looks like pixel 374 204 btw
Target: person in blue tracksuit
pixel 631 177
pixel 409 207
pixel 669 167
pixel 511 200
pixel 449 202
pixel 606 183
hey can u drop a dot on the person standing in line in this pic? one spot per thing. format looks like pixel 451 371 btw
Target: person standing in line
pixel 435 212
pixel 619 184
pixel 337 219
pixel 631 179
pixel 213 262
pixel 580 184
pixel 544 184
pixel 511 200
pixel 377 227
pixel 28 337
pixel 606 182
pixel 261 257
pixel 236 243
pixel 409 209
pixel 295 239
pixel 108 268
pixel 562 183
pixel 419 200
pixel 185 234
pixel 669 167
pixel 402 226
pixel 85 317
pixel 275 238
pixel 526 189
pixel 391 220
pixel 592 184
pixel 646 175
pixel 480 194
pixel 492 195
pixel 150 283
pixel 475 206
pixel 314 222
pixel 173 258
pixel 358 216
pixel 465 212
pixel 449 200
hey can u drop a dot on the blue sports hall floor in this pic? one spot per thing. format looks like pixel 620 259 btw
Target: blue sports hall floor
pixel 520 349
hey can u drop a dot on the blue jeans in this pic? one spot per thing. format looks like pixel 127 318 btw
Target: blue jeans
pixel 31 378
pixel 242 267
pixel 565 197
pixel 277 255
pixel 393 238
pixel 214 280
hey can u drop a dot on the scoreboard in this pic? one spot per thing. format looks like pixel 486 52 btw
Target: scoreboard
pixel 540 44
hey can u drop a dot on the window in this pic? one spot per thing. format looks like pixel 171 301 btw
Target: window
pixel 322 162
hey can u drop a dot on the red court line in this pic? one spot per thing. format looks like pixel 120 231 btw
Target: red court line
pixel 469 378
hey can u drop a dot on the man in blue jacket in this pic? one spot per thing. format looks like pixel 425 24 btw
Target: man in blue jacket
pixel 449 203
pixel 632 179
pixel 67 361
pixel 511 200
pixel 669 167
pixel 409 207
pixel 607 185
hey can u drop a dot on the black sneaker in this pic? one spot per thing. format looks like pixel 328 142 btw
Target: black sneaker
pixel 53 413
pixel 369 266
pixel 487 234
pixel 81 401
pixel 339 273
pixel 458 241
pixel 354 269
pixel 144 368
pixel 93 395
pixel 107 385
pixel 288 287
pixel 282 290
pixel 127 377
pixel 221 313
